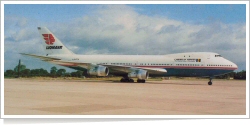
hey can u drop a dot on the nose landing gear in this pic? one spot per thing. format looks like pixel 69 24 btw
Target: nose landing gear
pixel 210 81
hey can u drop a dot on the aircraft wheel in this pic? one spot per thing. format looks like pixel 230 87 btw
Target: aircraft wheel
pixel 122 80
pixel 131 80
pixel 210 83
pixel 140 81
pixel 126 80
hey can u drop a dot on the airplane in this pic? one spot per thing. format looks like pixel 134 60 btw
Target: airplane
pixel 190 64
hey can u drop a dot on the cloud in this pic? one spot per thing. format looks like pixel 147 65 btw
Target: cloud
pixel 119 29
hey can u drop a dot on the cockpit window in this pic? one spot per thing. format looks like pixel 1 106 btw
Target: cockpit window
pixel 218 56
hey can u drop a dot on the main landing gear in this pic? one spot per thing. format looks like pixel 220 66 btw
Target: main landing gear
pixel 141 80
pixel 210 81
pixel 126 79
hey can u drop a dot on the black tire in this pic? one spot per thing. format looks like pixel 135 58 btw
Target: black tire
pixel 141 81
pixel 122 80
pixel 131 80
pixel 126 80
pixel 210 83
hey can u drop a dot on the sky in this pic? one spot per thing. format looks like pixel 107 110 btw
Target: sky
pixel 146 29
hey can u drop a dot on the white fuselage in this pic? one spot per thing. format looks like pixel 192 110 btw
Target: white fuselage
pixel 194 62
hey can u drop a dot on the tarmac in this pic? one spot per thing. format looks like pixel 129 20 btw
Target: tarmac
pixel 95 97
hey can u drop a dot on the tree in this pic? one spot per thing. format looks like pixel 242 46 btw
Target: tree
pixel 22 67
pixel 67 74
pixel 18 69
pixel 77 74
pixel 25 73
pixel 53 71
pixel 34 72
pixel 39 72
pixel 61 72
pixel 43 72
pixel 9 73
pixel 240 75
pixel 231 74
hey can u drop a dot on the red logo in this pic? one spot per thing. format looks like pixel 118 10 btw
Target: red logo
pixel 49 39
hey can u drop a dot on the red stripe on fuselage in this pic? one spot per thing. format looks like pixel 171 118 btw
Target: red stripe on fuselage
pixel 68 64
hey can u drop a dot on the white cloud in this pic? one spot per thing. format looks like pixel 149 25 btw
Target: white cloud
pixel 119 29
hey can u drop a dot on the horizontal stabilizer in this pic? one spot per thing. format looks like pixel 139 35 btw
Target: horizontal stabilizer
pixel 44 58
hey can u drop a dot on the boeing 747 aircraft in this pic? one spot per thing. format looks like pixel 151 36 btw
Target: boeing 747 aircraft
pixel 191 64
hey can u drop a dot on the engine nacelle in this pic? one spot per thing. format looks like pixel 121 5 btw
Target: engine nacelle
pixel 140 74
pixel 98 71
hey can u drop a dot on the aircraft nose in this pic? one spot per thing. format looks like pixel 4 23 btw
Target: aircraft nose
pixel 234 66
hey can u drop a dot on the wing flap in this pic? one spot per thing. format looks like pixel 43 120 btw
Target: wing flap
pixel 128 69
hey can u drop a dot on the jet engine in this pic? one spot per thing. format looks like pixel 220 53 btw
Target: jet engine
pixel 98 71
pixel 140 74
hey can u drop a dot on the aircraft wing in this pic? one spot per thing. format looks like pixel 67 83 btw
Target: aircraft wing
pixel 119 68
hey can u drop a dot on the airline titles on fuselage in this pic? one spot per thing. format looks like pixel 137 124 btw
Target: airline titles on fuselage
pixel 187 60
pixel 54 47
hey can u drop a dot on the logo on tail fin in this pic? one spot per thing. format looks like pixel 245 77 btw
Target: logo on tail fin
pixel 49 39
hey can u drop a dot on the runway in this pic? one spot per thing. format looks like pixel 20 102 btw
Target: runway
pixel 86 97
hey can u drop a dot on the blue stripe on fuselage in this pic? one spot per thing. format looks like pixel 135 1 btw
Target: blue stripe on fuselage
pixel 184 72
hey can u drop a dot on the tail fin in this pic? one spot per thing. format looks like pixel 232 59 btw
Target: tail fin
pixel 51 43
